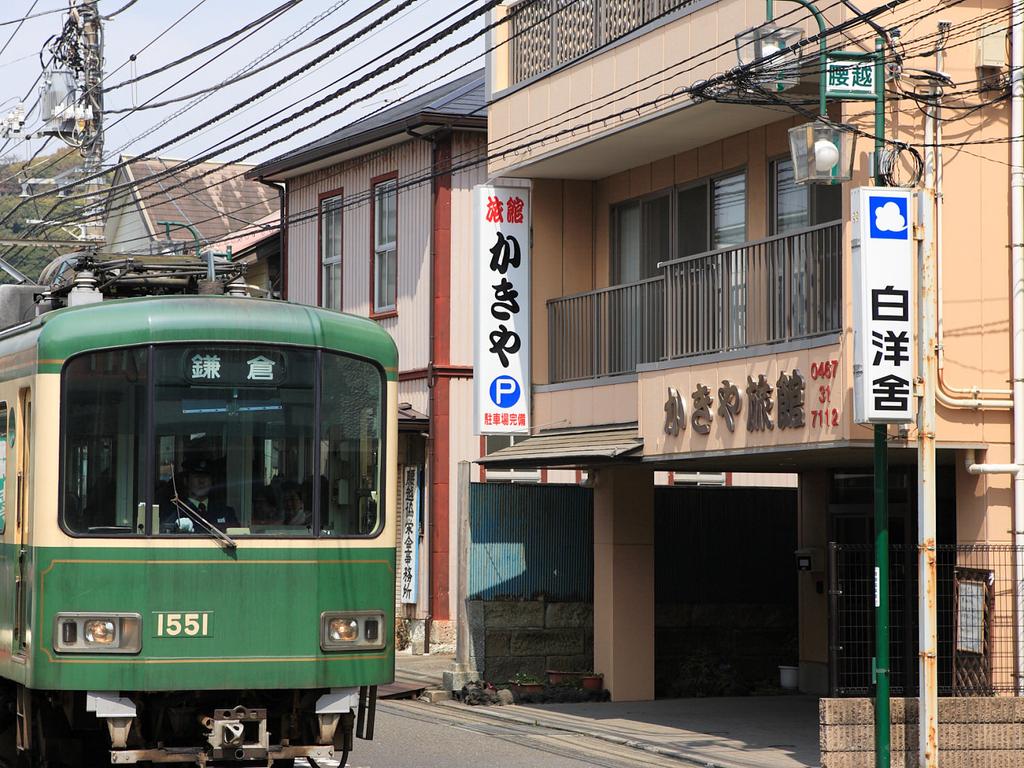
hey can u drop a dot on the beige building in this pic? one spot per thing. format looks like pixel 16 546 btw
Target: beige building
pixel 673 252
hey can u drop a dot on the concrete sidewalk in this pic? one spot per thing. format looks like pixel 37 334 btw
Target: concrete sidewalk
pixel 744 732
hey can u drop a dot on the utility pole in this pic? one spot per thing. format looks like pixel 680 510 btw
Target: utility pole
pixel 92 54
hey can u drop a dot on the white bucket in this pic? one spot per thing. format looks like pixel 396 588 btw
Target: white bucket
pixel 789 677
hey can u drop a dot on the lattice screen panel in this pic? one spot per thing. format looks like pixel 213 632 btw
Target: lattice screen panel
pixel 531 46
pixel 574 29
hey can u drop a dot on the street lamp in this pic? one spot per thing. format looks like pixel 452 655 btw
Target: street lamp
pixel 821 153
pixel 758 43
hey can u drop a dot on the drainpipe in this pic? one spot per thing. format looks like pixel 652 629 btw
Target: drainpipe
pixel 1017 259
pixel 974 468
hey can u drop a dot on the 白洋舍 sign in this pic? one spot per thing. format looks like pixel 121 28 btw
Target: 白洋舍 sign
pixel 883 305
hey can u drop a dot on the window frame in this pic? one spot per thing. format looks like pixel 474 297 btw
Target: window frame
pixel 322 264
pixel 148 475
pixel 673 191
pixel 614 262
pixel 380 312
pixel 739 171
pixel 813 202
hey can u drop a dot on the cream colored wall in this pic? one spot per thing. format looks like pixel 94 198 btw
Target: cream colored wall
pixel 813 604
pixel 975 271
pixel 764 479
pixel 585 406
pixel 571 229
pixel 624 581
pixel 563 236
pixel 613 89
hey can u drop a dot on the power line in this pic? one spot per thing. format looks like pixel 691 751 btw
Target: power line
pixel 30 15
pixel 362 32
pixel 448 31
pixel 200 51
pixel 17 28
pixel 157 126
pixel 155 195
pixel 200 158
pixel 237 106
pixel 631 109
pixel 363 198
pixel 120 10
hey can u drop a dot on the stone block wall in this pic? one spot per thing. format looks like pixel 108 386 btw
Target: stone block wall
pixel 530 636
pixel 974 732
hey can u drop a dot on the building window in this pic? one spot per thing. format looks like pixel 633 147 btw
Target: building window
pixel 494 443
pixel 728 210
pixel 795 206
pixel 711 214
pixel 385 246
pixel 330 252
pixel 642 237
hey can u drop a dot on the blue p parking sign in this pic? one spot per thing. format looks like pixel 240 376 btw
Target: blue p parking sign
pixel 505 391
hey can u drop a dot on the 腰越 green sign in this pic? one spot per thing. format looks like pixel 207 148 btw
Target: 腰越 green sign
pixel 850 76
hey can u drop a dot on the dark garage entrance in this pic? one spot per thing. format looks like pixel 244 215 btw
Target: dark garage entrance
pixel 725 589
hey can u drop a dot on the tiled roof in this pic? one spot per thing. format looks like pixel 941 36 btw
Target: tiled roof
pixel 225 201
pixel 460 103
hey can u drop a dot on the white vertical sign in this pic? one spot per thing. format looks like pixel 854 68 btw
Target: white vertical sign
pixel 883 305
pixel 501 317
pixel 410 534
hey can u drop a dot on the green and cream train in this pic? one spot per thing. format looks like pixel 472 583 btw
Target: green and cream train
pixel 197 512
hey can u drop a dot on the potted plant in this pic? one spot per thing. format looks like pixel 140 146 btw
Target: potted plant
pixel 592 681
pixel 526 684
pixel 556 677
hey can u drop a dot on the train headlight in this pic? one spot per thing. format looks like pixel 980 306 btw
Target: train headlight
pixel 98 633
pixel 352 630
pixel 342 630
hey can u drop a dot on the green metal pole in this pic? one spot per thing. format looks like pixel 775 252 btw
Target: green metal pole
pixel 882 704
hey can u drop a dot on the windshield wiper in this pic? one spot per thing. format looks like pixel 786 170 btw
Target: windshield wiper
pixel 209 527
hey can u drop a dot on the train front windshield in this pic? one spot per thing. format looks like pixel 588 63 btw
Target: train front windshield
pixel 252 440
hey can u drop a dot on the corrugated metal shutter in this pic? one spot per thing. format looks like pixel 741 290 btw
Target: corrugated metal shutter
pixel 530 540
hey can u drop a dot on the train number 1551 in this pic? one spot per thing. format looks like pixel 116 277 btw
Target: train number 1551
pixel 197 624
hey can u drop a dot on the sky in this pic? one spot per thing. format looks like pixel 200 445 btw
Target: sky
pixel 131 31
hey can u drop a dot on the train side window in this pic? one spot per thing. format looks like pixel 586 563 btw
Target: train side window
pixel 3 466
pixel 350 447
pixel 105 397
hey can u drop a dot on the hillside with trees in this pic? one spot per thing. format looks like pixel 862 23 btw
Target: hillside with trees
pixel 28 259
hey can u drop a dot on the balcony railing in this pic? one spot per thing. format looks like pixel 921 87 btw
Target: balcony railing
pixel 783 288
pixel 606 332
pixel 548 33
